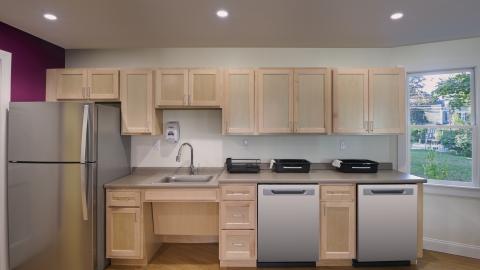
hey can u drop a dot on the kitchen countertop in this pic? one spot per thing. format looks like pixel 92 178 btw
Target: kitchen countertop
pixel 322 177
pixel 147 177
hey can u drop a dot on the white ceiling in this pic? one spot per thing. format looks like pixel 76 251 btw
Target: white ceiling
pixel 252 23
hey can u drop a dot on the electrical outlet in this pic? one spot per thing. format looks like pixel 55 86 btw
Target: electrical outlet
pixel 342 145
pixel 245 142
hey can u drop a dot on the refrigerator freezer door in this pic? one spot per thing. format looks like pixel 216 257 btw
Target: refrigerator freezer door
pixel 50 132
pixel 46 226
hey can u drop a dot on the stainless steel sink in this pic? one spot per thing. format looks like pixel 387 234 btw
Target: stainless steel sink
pixel 185 179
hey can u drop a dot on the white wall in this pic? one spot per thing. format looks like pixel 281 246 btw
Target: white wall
pixel 5 71
pixel 451 223
pixel 202 128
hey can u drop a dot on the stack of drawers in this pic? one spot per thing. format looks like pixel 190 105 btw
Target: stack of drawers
pixel 238 224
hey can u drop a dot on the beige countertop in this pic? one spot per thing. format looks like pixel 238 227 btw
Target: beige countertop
pixel 322 177
pixel 148 178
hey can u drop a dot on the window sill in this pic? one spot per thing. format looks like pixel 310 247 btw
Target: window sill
pixel 452 190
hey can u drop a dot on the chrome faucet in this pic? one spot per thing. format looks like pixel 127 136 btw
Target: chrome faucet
pixel 179 156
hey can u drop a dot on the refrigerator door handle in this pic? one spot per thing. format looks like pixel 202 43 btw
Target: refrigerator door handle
pixel 83 144
pixel 83 190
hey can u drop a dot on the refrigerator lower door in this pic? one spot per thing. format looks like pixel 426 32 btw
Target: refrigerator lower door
pixel 51 132
pixel 47 228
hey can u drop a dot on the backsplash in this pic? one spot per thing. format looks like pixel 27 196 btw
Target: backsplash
pixel 202 128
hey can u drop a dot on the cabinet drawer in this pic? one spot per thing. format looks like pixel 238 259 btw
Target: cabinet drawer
pixel 237 245
pixel 237 215
pixel 123 198
pixel 338 193
pixel 238 192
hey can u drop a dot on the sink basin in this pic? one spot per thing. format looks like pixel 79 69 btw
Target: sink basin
pixel 185 179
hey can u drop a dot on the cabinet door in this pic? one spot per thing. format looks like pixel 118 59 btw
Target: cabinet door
pixel 102 84
pixel 387 100
pixel 350 101
pixel 337 230
pixel 239 109
pixel 71 84
pixel 275 100
pixel 137 103
pixel 204 87
pixel 171 87
pixel 124 233
pixel 312 106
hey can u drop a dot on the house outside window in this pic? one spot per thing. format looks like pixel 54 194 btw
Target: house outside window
pixel 442 135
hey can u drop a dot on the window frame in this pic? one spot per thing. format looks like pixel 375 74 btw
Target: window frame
pixel 475 107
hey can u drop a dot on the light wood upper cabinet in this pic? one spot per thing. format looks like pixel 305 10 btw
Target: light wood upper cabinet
pixel 275 100
pixel 369 101
pixel 239 106
pixel 71 84
pixel 312 106
pixel 82 84
pixel 124 236
pixel 205 87
pixel 136 93
pixel 102 84
pixel 386 100
pixel 171 87
pixel 337 230
pixel 350 100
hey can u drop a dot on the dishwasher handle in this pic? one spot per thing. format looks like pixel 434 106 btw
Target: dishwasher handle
pixel 290 191
pixel 390 191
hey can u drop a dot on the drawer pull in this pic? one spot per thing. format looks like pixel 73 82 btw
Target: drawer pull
pixel 338 192
pixel 237 193
pixel 238 215
pixel 237 244
pixel 122 198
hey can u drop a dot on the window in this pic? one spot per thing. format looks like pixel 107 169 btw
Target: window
pixel 442 126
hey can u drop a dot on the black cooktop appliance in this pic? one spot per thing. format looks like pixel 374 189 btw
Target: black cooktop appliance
pixel 355 165
pixel 243 165
pixel 290 165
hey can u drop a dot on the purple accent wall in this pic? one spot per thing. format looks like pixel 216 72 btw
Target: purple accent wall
pixel 31 56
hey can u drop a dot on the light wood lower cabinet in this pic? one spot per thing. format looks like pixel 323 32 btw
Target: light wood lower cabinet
pixel 337 223
pixel 237 245
pixel 238 215
pixel 238 226
pixel 124 233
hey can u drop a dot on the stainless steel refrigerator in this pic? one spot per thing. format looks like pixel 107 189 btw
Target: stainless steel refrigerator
pixel 59 157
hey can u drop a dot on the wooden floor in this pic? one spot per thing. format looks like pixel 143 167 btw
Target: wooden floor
pixel 205 257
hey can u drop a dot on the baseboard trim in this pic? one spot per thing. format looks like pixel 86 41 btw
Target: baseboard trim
pixel 450 247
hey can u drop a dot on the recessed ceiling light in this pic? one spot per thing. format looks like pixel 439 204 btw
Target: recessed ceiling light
pixel 50 17
pixel 222 13
pixel 396 16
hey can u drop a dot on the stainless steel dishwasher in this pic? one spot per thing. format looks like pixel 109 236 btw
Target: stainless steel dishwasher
pixel 288 223
pixel 387 223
